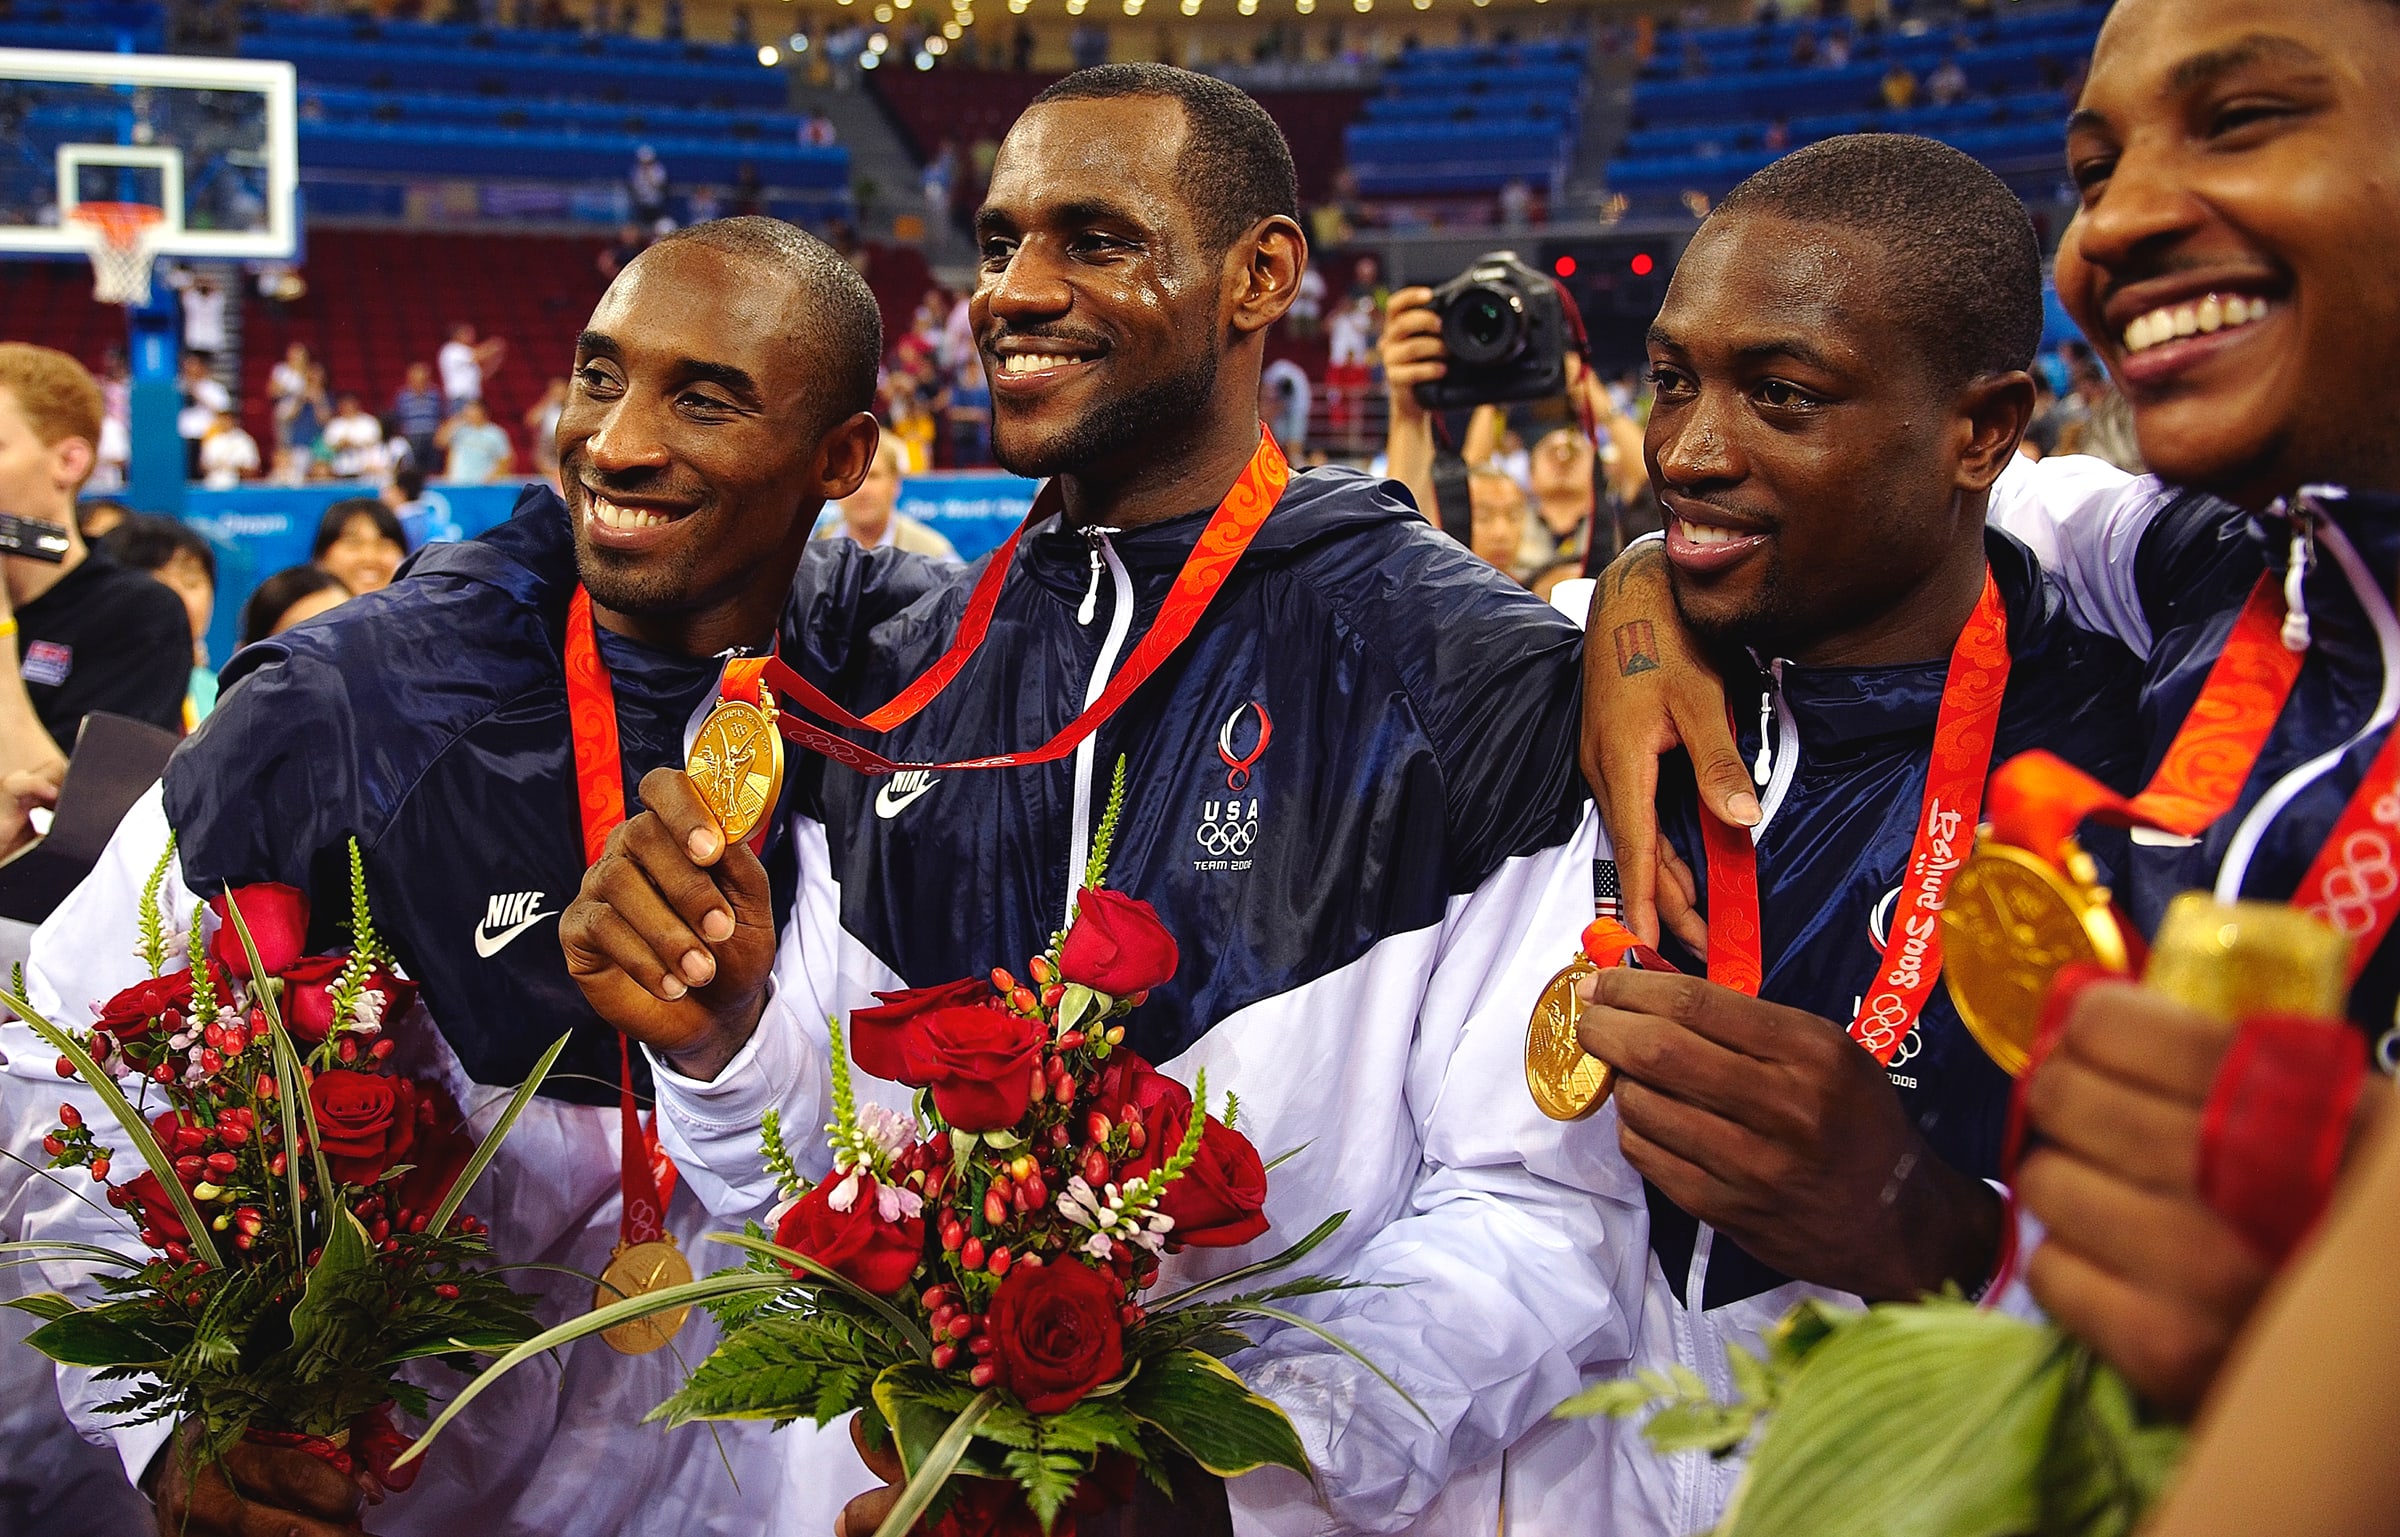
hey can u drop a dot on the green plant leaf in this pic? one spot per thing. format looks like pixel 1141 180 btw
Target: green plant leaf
pixel 815 1365
pixel 589 1324
pixel 42 1305
pixel 933 1467
pixel 819 1275
pixel 347 1254
pixel 1290 1256
pixel 1075 1004
pixel 92 1337
pixel 1201 1406
pixel 482 1342
pixel 1617 1398
pixel 37 1249
pixel 1920 1420
pixel 489 1147
pixel 136 1129
pixel 1338 1343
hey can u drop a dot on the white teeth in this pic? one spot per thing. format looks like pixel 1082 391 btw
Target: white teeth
pixel 1033 362
pixel 609 514
pixel 1705 533
pixel 2215 312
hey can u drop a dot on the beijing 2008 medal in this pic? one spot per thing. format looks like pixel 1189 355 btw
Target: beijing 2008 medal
pixel 736 763
pixel 1568 1083
pixel 2011 923
pixel 636 1270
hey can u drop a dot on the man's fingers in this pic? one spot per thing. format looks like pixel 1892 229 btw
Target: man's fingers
pixel 1691 1134
pixel 2165 1243
pixel 2143 1136
pixel 670 794
pixel 598 941
pixel 2146 1038
pixel 1698 709
pixel 864 1516
pixel 1691 1187
pixel 1403 300
pixel 1743 1026
pixel 2169 1352
pixel 688 889
pixel 1679 901
pixel 291 1479
pixel 884 1461
pixel 1661 1053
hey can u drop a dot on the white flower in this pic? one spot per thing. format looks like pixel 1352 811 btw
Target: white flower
pixel 845 1194
pixel 892 1203
pixel 1099 1246
pixel 366 1015
pixel 780 1210
pixel 885 1130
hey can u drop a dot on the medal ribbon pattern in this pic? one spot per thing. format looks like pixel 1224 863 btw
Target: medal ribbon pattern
pixel 1911 959
pixel 2353 884
pixel 1219 549
pixel 647 1175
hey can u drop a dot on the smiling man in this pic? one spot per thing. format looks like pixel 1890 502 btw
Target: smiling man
pixel 1350 795
pixel 718 401
pixel 1840 376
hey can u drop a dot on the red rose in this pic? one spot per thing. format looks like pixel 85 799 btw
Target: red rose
pixel 365 1122
pixel 1117 945
pixel 985 1507
pixel 156 1208
pixel 1055 1333
pixel 134 1012
pixel 1219 1200
pixel 977 1060
pixel 277 917
pixel 1128 1082
pixel 308 994
pixel 856 1244
pixel 880 1037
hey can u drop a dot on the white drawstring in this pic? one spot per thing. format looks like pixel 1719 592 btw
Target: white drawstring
pixel 1765 768
pixel 2295 575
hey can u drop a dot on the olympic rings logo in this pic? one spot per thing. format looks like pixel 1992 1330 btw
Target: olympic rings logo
pixel 2366 878
pixel 1227 839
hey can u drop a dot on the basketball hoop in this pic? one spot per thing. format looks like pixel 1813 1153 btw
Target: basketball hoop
pixel 122 238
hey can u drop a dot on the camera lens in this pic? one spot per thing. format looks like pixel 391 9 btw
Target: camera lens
pixel 1484 326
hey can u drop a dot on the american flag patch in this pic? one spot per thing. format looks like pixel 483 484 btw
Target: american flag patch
pixel 47 662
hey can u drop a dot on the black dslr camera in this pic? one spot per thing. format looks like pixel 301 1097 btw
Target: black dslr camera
pixel 1506 335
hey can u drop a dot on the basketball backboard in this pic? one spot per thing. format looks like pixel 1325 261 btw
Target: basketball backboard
pixel 213 144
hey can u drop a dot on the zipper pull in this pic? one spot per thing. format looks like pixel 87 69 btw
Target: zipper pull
pixel 2296 629
pixel 1765 768
pixel 1091 594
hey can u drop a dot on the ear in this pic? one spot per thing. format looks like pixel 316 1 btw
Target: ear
pixel 71 461
pixel 844 455
pixel 1992 413
pixel 1263 273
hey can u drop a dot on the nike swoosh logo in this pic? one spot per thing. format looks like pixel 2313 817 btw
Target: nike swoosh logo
pixel 489 945
pixel 888 805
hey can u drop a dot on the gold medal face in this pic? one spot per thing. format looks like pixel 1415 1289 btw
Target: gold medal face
pixel 737 766
pixel 2011 923
pixel 636 1270
pixel 1567 1082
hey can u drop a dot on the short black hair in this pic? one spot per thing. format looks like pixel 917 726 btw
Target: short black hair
pixel 147 542
pixel 1966 265
pixel 273 598
pixel 1235 164
pixel 337 518
pixel 849 348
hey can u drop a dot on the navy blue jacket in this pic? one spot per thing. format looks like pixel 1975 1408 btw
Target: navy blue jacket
pixel 1418 716
pixel 429 720
pixel 1837 842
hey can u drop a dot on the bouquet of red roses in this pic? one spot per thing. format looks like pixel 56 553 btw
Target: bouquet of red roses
pixel 974 1276
pixel 298 1201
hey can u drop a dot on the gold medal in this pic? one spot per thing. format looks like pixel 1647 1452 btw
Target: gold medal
pixel 737 763
pixel 636 1270
pixel 1567 1082
pixel 2011 923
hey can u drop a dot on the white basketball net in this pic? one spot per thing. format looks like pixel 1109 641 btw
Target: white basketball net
pixel 122 239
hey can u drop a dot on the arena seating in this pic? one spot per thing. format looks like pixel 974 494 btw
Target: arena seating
pixel 1470 120
pixel 1707 98
pixel 964 105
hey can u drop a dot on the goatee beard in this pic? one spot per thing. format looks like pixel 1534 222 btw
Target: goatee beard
pixel 1120 424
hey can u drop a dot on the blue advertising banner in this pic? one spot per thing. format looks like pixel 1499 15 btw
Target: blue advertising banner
pixel 257 531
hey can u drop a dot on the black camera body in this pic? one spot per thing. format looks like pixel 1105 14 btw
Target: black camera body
pixel 1505 331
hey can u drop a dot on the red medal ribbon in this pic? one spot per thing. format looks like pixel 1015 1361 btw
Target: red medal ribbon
pixel 1220 547
pixel 648 1177
pixel 1911 960
pixel 2353 885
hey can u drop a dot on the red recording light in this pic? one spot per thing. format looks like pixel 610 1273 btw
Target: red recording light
pixel 1564 266
pixel 1642 264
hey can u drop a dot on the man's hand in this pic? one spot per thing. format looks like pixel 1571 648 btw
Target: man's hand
pixel 673 936
pixel 1777 1129
pixel 20 793
pixel 1411 349
pixel 863 1515
pixel 2135 1263
pixel 261 1491
pixel 1646 692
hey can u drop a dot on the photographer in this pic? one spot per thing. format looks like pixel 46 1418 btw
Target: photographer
pixel 1566 481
